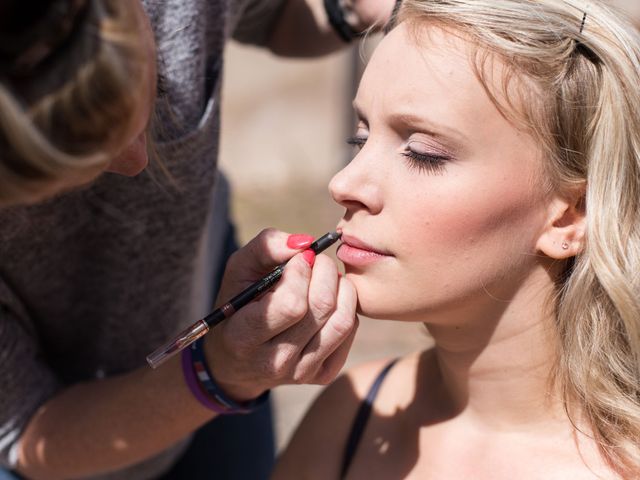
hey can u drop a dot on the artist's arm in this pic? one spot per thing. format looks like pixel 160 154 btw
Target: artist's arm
pixel 300 332
pixel 303 28
pixel 103 425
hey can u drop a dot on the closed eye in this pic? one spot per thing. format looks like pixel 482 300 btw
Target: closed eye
pixel 357 142
pixel 423 162
pixel 428 163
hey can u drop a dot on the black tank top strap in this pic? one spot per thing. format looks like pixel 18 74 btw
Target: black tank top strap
pixel 362 417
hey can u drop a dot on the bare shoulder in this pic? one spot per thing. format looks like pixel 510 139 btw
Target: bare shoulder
pixel 316 448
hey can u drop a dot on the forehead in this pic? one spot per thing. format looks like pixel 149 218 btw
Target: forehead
pixel 426 49
pixel 429 70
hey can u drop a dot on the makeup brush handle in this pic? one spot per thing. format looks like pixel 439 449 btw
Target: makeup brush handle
pixel 176 344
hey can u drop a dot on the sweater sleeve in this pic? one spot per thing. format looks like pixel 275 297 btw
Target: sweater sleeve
pixel 256 20
pixel 25 380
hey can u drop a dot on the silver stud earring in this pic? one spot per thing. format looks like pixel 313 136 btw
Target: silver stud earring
pixel 565 246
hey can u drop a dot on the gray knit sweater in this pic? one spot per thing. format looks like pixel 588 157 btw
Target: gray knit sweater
pixel 93 281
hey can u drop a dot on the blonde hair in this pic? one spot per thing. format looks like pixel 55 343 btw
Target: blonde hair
pixel 69 96
pixel 583 60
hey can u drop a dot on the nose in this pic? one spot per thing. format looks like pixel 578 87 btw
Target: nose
pixel 132 160
pixel 356 186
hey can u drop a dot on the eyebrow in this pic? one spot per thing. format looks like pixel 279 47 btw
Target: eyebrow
pixel 449 135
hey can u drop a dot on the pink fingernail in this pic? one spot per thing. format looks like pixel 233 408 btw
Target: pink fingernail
pixel 309 256
pixel 299 240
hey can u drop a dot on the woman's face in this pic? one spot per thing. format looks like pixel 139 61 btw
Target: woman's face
pixel 133 159
pixel 443 202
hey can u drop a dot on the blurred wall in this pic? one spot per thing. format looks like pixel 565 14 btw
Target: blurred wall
pixel 283 119
pixel 632 7
pixel 283 128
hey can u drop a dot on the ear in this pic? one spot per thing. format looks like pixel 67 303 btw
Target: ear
pixel 563 235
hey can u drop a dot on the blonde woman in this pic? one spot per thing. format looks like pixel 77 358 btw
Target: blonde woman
pixel 495 198
pixel 106 268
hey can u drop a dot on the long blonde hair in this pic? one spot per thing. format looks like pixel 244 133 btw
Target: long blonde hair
pixel 583 60
pixel 68 92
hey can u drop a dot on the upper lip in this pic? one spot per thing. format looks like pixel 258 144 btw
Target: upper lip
pixel 357 243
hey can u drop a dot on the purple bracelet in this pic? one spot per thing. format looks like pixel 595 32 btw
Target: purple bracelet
pixel 206 391
pixel 207 383
pixel 193 384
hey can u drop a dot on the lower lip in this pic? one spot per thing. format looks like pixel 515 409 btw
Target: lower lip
pixel 358 257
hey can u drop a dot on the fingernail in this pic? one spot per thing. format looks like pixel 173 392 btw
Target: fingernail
pixel 309 256
pixel 299 240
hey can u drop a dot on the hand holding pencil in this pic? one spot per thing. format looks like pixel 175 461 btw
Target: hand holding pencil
pixel 299 331
pixel 250 293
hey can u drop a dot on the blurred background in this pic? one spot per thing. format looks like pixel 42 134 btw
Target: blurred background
pixel 283 137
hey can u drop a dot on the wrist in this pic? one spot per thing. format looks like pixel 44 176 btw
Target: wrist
pixel 364 15
pixel 234 385
pixel 208 392
pixel 241 392
pixel 352 18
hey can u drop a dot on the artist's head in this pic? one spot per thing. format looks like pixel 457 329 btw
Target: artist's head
pixel 77 83
pixel 500 158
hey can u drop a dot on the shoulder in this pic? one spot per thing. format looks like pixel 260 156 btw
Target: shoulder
pixel 317 447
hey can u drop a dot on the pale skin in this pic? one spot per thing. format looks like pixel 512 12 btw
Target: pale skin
pixel 446 223
pixel 298 333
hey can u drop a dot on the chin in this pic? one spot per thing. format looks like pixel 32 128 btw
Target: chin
pixel 391 313
pixel 374 301
pixel 390 305
pixel 377 311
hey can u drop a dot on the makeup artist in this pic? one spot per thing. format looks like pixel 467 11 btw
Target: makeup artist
pixel 95 278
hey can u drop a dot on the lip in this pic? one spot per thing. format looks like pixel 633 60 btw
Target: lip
pixel 356 252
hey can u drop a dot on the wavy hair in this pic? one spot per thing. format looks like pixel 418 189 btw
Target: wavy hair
pixel 582 59
pixel 70 78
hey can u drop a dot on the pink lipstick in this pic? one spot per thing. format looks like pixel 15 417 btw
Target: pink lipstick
pixel 355 252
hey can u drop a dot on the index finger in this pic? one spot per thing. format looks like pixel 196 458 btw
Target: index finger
pixel 266 251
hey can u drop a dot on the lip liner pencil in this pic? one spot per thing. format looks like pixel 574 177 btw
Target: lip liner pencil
pixel 202 326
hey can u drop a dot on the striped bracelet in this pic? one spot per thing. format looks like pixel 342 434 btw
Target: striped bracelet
pixel 206 390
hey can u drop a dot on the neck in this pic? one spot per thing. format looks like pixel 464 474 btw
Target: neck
pixel 496 364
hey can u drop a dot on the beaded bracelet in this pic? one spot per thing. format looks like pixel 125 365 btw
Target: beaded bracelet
pixel 218 401
pixel 192 383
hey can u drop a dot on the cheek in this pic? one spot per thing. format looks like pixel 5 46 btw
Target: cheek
pixel 459 242
pixel 475 203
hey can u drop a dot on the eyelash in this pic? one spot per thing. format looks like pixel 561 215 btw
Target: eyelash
pixel 357 142
pixel 420 161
